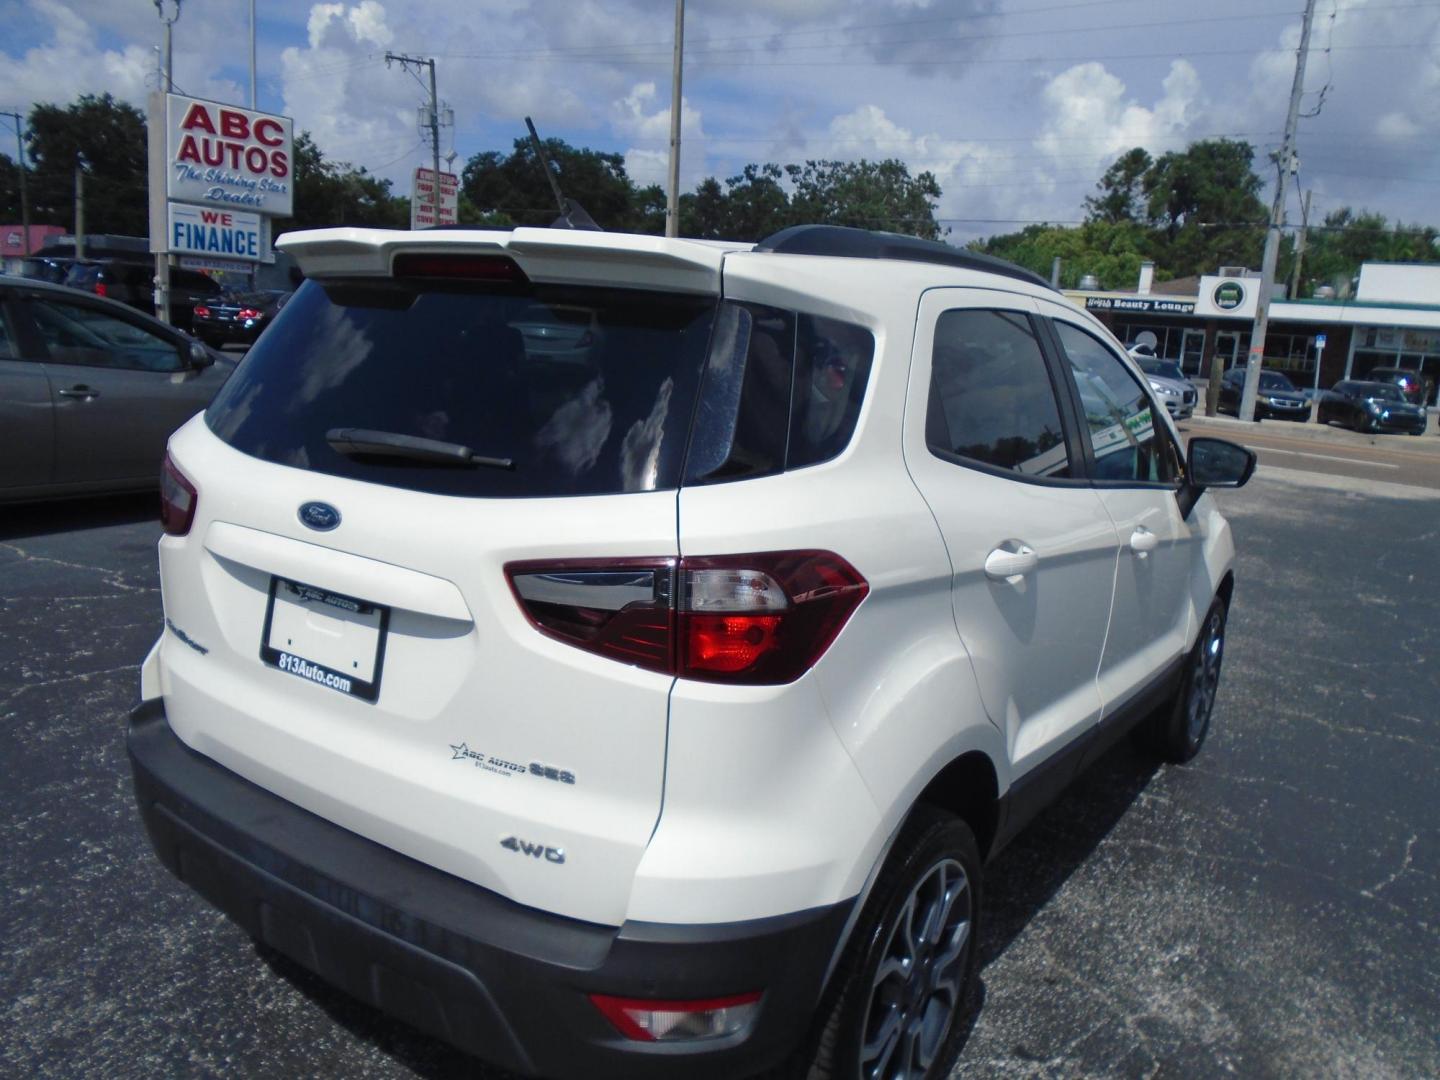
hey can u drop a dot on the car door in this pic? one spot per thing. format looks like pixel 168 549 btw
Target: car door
pixel 119 387
pixel 27 423
pixel 1031 547
pixel 1134 463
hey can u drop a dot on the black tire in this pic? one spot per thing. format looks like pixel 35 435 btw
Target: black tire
pixel 1176 732
pixel 929 998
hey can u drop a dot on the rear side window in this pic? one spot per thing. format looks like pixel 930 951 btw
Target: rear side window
pixel 991 399
pixel 582 391
pixel 782 390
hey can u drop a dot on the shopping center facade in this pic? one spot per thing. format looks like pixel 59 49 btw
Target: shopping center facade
pixel 1392 320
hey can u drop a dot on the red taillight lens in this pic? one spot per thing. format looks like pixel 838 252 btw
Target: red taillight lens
pixel 247 313
pixel 762 618
pixel 202 311
pixel 474 267
pixel 678 1021
pixel 177 499
pixel 101 289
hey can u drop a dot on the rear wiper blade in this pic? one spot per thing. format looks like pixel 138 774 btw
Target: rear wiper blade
pixel 364 441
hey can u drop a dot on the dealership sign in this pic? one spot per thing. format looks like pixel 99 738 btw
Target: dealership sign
pixel 220 155
pixel 215 232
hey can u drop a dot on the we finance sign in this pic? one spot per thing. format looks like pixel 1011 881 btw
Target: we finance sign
pixel 220 155
pixel 222 234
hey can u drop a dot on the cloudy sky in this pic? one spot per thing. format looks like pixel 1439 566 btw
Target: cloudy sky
pixel 1017 106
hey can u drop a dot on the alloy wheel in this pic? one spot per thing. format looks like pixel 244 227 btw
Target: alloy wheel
pixel 1205 675
pixel 918 984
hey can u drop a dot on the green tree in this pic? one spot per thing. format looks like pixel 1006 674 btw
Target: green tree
pixel 1346 239
pixel 1122 195
pixel 512 189
pixel 1204 202
pixel 1112 251
pixel 865 194
pixel 9 192
pixel 338 193
pixel 110 136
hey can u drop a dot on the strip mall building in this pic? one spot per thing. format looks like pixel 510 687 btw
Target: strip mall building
pixel 1393 320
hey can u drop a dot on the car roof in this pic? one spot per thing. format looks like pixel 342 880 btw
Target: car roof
pixel 64 292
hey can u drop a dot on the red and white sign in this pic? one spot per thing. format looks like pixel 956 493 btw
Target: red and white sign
pixel 422 199
pixel 220 155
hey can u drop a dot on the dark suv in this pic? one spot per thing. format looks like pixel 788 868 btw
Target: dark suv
pixel 1411 383
pixel 133 283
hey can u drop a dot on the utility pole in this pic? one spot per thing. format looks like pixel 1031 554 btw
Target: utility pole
pixel 1300 246
pixel 672 201
pixel 1256 357
pixel 79 207
pixel 433 124
pixel 24 192
pixel 162 258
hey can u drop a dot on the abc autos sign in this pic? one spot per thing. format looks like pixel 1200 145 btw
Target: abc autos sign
pixel 222 156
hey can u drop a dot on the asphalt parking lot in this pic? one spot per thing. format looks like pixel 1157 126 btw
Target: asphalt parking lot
pixel 1272 909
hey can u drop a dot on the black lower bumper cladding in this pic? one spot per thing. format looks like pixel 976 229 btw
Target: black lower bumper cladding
pixel 504 982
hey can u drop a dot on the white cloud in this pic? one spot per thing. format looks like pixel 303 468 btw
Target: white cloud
pixel 637 116
pixel 1092 119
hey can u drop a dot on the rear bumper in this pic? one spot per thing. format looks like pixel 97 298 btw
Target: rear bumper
pixel 226 333
pixel 504 982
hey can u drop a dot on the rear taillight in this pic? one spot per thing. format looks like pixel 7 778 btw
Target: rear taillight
pixel 202 311
pixel 101 289
pixel 247 313
pixel 762 618
pixel 678 1021
pixel 177 499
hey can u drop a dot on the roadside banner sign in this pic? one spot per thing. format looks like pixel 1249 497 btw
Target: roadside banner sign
pixel 422 199
pixel 215 232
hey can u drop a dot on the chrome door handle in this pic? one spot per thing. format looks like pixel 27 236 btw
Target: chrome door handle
pixel 1004 564
pixel 81 391
pixel 1143 541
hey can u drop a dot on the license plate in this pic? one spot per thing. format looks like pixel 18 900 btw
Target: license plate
pixel 325 638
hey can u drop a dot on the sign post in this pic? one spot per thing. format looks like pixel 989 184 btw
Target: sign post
pixel 424 203
pixel 218 175
pixel 1320 340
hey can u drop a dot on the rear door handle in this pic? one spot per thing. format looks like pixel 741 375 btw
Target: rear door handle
pixel 1011 561
pixel 81 391
pixel 1143 541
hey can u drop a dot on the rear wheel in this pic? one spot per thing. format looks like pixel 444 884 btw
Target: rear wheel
pixel 1177 731
pixel 895 1006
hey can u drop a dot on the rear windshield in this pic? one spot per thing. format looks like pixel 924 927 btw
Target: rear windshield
pixel 603 411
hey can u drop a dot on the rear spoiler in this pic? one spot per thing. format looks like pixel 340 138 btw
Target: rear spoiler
pixel 546 255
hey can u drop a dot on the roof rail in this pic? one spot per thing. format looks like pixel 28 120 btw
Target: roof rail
pixel 843 242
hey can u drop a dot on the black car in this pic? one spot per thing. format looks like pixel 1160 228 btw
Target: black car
pixel 46 268
pixel 1411 384
pixel 1370 406
pixel 1276 399
pixel 133 282
pixel 239 317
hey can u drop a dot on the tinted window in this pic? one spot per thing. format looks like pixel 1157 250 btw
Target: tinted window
pixel 1124 437
pixel 1273 380
pixel 462 364
pixel 782 390
pixel 1383 392
pixel 77 334
pixel 991 399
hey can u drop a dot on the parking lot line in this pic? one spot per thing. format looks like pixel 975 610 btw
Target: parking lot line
pixel 1326 457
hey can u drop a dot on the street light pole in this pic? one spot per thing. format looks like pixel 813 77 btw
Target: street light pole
pixel 24 191
pixel 162 257
pixel 1256 357
pixel 672 201
pixel 252 56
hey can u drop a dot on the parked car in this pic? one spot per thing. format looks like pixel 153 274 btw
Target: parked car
pixel 89 391
pixel 49 268
pixel 238 318
pixel 1172 388
pixel 1411 383
pixel 1276 398
pixel 562 333
pixel 661 722
pixel 1370 406
pixel 133 283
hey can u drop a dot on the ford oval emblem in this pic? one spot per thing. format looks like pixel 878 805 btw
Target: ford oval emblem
pixel 322 517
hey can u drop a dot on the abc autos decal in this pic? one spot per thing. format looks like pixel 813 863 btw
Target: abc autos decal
pixel 223 156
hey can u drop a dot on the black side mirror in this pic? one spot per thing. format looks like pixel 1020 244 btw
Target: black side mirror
pixel 200 357
pixel 1218 463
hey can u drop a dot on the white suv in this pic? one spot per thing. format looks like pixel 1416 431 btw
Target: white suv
pixel 655 715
